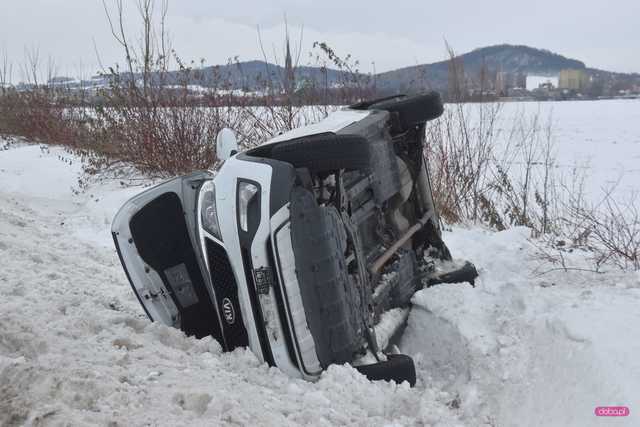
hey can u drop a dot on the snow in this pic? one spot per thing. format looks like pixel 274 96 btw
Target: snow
pixel 388 324
pixel 526 347
pixel 598 138
pixel 48 177
pixel 76 348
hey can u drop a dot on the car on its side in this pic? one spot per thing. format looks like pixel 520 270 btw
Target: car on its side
pixel 307 248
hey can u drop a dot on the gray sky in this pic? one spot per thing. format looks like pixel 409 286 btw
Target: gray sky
pixel 391 34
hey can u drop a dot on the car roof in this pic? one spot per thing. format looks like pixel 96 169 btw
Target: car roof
pixel 331 124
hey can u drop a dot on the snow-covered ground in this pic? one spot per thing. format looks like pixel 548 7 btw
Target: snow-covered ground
pixel 524 348
pixel 599 138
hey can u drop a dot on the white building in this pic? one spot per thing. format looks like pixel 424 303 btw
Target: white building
pixel 533 82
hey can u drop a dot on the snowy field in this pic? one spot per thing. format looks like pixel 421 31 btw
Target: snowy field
pixel 526 347
pixel 600 138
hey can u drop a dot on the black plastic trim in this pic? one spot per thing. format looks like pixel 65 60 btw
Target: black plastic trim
pixel 170 248
pixel 265 346
pixel 224 281
pixel 364 105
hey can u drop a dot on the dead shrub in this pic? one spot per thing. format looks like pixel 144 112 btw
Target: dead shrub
pixel 609 230
pixel 488 168
pixel 40 114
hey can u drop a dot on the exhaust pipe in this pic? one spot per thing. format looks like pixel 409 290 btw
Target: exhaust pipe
pixel 381 261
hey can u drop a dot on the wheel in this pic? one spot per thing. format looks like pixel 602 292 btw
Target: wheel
pixel 412 110
pixel 330 298
pixel 325 152
pixel 397 367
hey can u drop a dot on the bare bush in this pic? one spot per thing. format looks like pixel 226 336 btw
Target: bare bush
pixel 291 103
pixel 352 85
pixel 149 115
pixel 41 112
pixel 609 230
pixel 489 168
pixel 148 120
pixel 460 149
pixel 143 120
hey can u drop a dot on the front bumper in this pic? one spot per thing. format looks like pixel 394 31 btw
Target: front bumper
pixel 263 263
pixel 293 322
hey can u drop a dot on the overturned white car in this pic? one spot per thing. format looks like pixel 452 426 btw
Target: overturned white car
pixel 307 248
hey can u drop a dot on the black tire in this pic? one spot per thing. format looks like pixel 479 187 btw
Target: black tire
pixel 397 367
pixel 325 152
pixel 412 110
pixel 331 301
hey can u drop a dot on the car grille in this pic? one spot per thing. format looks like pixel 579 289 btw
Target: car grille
pixel 226 292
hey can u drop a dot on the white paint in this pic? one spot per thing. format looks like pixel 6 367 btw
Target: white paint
pixel 226 144
pixel 332 123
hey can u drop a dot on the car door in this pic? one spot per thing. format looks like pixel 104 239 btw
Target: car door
pixel 156 236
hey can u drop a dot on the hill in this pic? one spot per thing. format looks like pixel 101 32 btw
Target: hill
pixel 255 76
pixel 505 57
pixel 251 75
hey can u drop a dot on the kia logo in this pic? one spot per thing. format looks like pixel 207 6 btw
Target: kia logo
pixel 228 311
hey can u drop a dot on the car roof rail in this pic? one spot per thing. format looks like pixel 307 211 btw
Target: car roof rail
pixel 364 105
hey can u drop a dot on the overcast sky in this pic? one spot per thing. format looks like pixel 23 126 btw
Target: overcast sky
pixel 391 34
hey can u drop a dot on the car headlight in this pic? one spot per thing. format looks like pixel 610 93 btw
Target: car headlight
pixel 208 210
pixel 246 192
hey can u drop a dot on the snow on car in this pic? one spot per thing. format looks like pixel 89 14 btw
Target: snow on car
pixel 307 249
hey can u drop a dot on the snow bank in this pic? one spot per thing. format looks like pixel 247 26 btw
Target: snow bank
pixel 75 347
pixel 529 350
pixel 47 178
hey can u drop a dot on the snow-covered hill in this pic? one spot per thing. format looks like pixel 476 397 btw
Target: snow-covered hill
pixel 520 349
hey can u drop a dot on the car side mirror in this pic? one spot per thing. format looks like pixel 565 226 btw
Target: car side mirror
pixel 226 144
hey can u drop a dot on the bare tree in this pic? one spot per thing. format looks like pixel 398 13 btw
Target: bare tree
pixel 6 71
pixel 549 158
pixel 457 91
